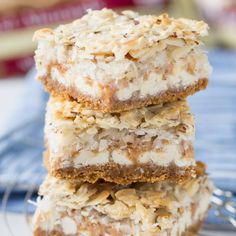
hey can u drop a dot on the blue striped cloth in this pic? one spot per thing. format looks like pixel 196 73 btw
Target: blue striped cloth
pixel 215 117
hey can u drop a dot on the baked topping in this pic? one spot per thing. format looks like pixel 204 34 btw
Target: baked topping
pixel 105 34
pixel 169 115
pixel 152 204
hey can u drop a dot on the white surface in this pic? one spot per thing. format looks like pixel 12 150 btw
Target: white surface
pixel 17 224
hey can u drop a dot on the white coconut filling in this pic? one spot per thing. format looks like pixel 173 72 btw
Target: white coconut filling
pixel 140 79
pixel 154 84
pixel 63 141
pixel 170 154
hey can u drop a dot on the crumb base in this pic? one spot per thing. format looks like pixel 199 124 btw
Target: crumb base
pixel 126 174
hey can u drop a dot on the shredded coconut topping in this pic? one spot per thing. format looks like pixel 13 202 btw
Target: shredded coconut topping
pixel 107 33
pixel 148 204
pixel 169 115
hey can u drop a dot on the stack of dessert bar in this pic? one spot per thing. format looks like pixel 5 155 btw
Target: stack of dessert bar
pixel 119 133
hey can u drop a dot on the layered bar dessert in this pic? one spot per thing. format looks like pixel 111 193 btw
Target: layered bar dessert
pixel 74 208
pixel 114 62
pixel 146 145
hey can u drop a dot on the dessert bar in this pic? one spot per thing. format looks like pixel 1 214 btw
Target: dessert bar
pixel 146 145
pixel 114 62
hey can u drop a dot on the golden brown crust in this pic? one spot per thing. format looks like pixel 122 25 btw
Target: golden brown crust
pixel 96 231
pixel 124 174
pixel 193 229
pixel 114 105
pixel 41 232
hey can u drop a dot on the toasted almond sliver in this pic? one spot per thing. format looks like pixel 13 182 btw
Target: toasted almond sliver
pixel 128 196
pixel 98 198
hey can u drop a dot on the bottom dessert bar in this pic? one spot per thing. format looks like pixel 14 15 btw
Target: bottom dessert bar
pixel 105 209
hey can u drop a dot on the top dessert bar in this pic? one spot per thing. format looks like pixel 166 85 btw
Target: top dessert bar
pixel 114 62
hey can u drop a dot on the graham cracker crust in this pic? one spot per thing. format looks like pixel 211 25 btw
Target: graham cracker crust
pixel 96 231
pixel 123 174
pixel 110 104
pixel 193 230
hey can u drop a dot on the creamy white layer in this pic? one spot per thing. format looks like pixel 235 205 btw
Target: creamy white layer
pixel 142 212
pixel 171 154
pixel 173 66
pixel 161 135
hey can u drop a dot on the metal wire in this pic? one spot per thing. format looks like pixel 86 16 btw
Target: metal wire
pixel 4 207
pixel 224 205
